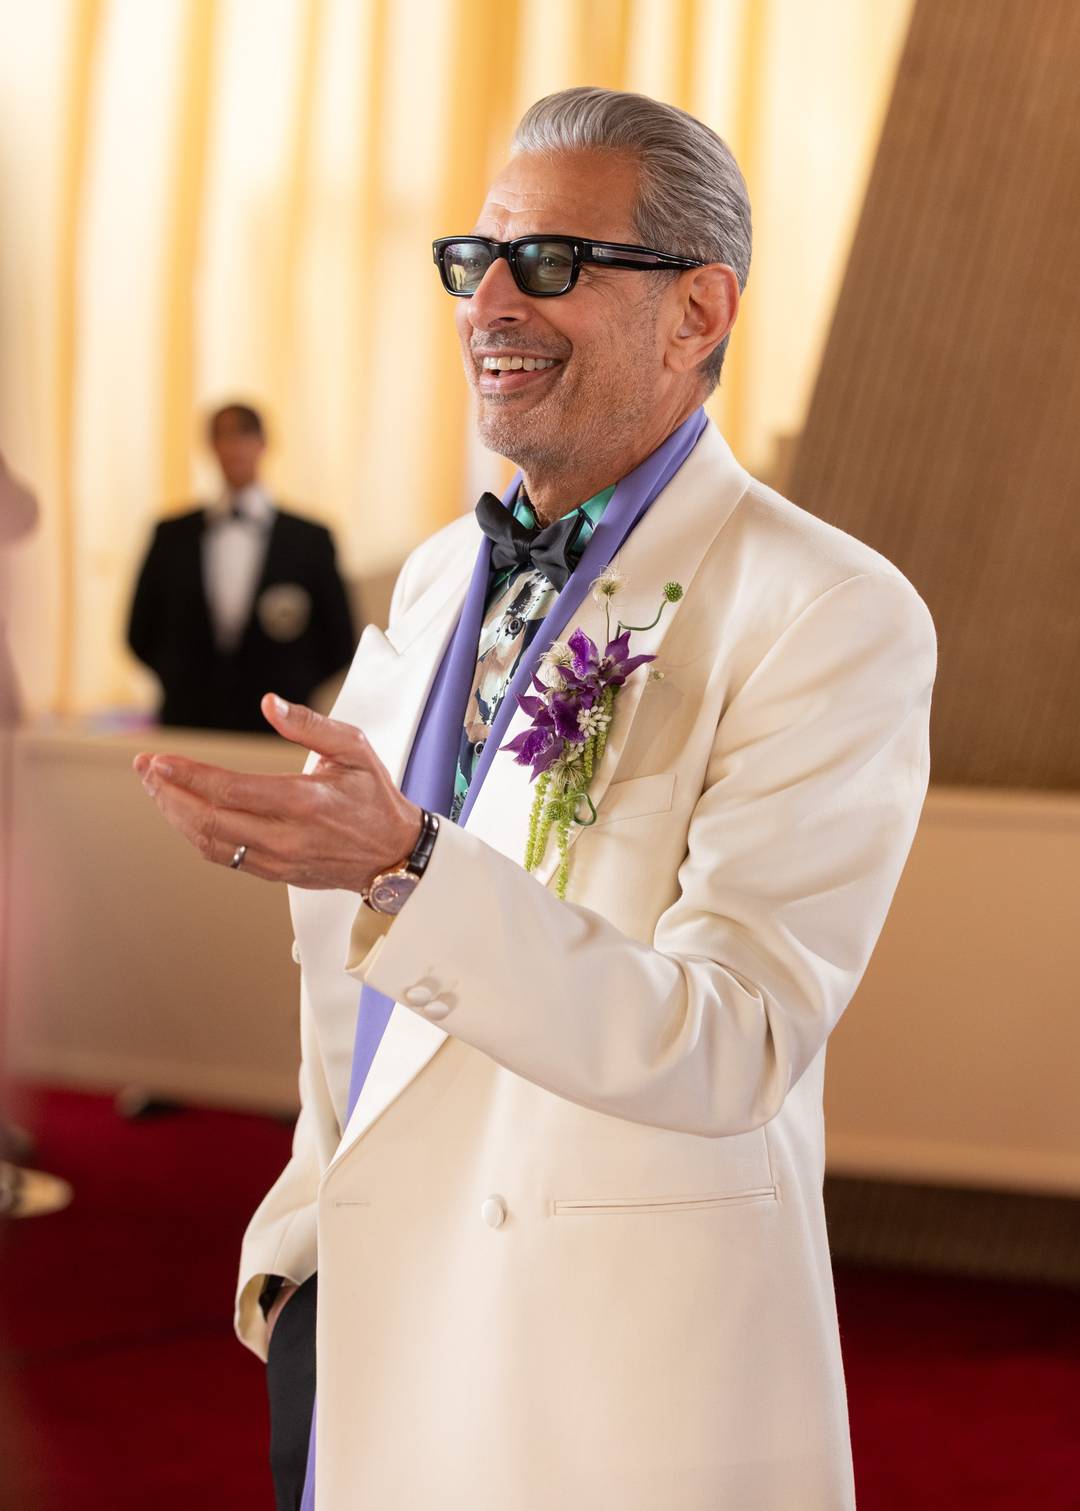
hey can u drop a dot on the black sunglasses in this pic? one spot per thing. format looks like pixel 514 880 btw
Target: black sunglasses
pixel 543 266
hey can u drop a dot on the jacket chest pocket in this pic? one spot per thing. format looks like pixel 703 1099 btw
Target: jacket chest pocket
pixel 637 797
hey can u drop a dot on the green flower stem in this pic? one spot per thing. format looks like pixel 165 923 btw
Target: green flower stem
pixel 583 797
pixel 673 591
pixel 532 853
pixel 606 702
pixel 550 809
pixel 563 874
pixel 651 626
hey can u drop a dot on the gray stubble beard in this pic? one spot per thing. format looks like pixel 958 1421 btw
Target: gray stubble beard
pixel 536 448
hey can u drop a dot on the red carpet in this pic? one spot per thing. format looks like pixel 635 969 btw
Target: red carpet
pixel 121 1385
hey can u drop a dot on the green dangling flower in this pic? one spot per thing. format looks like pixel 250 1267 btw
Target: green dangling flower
pixel 533 851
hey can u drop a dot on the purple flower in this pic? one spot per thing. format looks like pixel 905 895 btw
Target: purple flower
pixel 565 706
pixel 609 670
pixel 555 710
pixel 618 663
pixel 586 656
pixel 538 747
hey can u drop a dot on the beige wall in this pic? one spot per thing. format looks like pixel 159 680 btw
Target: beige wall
pixel 957 1060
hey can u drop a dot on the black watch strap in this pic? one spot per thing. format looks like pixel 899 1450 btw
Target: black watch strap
pixel 429 830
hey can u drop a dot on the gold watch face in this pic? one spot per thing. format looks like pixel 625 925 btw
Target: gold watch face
pixel 391 891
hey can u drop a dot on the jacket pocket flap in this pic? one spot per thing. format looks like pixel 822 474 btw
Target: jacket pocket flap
pixel 637 797
pixel 633 1204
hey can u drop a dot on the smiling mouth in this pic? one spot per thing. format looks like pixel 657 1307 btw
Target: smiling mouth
pixel 508 372
pixel 515 363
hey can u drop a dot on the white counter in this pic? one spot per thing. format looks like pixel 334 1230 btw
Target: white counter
pixel 131 960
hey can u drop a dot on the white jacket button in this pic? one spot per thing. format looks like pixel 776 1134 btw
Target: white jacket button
pixel 295 953
pixel 437 1008
pixel 419 996
pixel 493 1211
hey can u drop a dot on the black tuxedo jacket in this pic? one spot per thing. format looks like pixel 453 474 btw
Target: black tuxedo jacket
pixel 299 632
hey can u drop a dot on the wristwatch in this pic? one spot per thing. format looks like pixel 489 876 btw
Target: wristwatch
pixel 390 890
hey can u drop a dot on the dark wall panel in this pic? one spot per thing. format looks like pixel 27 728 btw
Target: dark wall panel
pixel 945 424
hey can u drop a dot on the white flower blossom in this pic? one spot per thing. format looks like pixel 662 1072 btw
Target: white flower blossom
pixel 556 656
pixel 607 585
pixel 551 676
pixel 567 772
pixel 558 653
pixel 592 720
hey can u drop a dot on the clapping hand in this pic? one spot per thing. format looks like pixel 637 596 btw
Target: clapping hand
pixel 336 826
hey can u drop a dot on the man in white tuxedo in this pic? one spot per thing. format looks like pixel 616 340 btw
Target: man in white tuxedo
pixel 560 1178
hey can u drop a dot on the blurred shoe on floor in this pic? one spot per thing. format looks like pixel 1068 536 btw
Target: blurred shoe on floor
pixel 31 1193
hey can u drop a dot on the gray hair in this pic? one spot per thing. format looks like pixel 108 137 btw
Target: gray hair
pixel 691 196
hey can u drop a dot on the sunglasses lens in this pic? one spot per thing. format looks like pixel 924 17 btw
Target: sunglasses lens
pixel 463 265
pixel 546 267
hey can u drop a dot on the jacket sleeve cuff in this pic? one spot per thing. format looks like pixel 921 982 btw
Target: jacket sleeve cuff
pixel 414 927
pixel 368 931
pixel 386 957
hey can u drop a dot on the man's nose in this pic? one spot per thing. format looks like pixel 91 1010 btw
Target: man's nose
pixel 498 300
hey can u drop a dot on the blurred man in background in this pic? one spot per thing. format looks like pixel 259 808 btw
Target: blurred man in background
pixel 239 596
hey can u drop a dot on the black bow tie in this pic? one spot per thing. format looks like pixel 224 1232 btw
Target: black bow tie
pixel 236 510
pixel 550 550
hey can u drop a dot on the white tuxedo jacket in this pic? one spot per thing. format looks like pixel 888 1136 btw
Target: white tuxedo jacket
pixel 571 1245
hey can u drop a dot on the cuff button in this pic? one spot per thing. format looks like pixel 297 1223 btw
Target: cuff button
pixel 493 1211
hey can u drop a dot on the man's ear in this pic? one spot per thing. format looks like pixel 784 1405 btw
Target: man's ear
pixel 707 306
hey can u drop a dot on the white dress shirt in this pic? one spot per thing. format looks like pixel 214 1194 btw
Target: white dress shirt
pixel 234 550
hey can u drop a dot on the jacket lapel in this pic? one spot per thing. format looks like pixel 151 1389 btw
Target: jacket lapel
pixel 408 1043
pixel 668 545
pixel 387 687
pixel 385 695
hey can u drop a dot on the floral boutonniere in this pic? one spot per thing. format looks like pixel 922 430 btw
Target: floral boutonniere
pixel 571 714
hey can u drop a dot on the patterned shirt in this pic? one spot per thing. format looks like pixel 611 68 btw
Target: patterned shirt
pixel 518 602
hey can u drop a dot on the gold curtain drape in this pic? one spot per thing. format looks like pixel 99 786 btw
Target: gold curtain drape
pixel 211 198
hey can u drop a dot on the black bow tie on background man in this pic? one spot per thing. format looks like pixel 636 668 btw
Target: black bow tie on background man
pixel 550 550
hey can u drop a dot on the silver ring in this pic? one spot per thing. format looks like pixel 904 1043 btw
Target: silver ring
pixel 238 859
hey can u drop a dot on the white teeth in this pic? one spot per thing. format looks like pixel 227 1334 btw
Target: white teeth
pixel 516 364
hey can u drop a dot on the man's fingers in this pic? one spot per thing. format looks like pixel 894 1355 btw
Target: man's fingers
pixel 274 796
pixel 339 742
pixel 218 833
